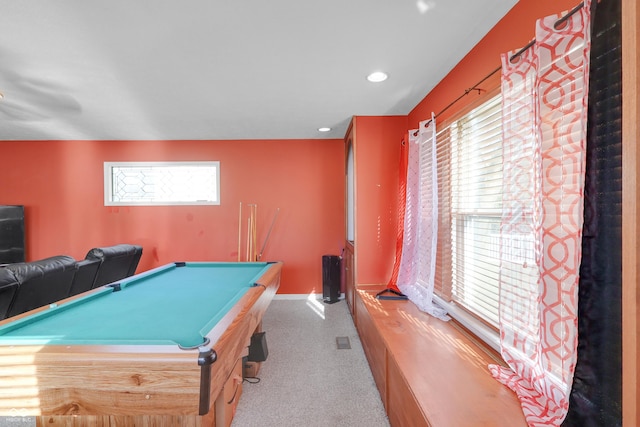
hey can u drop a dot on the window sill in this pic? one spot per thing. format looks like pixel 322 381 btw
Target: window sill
pixel 483 332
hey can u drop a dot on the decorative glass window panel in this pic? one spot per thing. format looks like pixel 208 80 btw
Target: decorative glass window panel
pixel 161 183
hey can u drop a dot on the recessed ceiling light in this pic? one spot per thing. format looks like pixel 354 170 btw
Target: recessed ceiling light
pixel 1 95
pixel 324 129
pixel 424 6
pixel 377 77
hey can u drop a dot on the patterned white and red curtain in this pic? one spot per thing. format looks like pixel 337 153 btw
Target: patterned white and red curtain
pixel 416 272
pixel 544 108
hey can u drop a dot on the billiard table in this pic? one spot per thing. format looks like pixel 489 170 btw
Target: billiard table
pixel 155 348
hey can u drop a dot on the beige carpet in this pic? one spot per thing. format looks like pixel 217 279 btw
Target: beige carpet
pixel 306 380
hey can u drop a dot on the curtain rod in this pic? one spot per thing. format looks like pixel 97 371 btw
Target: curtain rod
pixel 557 25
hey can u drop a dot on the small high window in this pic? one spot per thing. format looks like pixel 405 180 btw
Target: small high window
pixel 161 183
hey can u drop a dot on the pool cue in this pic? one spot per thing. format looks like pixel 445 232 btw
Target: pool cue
pixel 250 233
pixel 248 237
pixel 268 234
pixel 240 232
pixel 254 245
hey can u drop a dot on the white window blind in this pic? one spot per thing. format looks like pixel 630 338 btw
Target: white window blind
pixel 469 155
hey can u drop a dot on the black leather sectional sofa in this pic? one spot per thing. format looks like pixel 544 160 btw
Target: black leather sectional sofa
pixel 28 285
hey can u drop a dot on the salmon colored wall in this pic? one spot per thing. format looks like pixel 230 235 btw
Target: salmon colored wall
pixel 377 159
pixel 61 185
pixel 514 31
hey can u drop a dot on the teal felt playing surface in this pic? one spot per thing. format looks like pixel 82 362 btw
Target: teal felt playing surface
pixel 170 305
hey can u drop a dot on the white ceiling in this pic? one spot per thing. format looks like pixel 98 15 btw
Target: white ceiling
pixel 223 69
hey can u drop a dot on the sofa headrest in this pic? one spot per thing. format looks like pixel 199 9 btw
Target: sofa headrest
pixel 7 277
pixel 24 271
pixel 8 288
pixel 113 251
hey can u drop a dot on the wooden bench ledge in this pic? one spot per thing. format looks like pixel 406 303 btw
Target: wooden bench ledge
pixel 429 370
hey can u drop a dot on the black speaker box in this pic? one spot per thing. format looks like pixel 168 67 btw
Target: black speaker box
pixel 330 278
pixel 258 350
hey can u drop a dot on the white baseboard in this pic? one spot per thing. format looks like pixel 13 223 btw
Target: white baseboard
pixel 301 296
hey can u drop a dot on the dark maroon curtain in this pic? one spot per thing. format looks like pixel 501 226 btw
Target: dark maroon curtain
pixel 596 396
